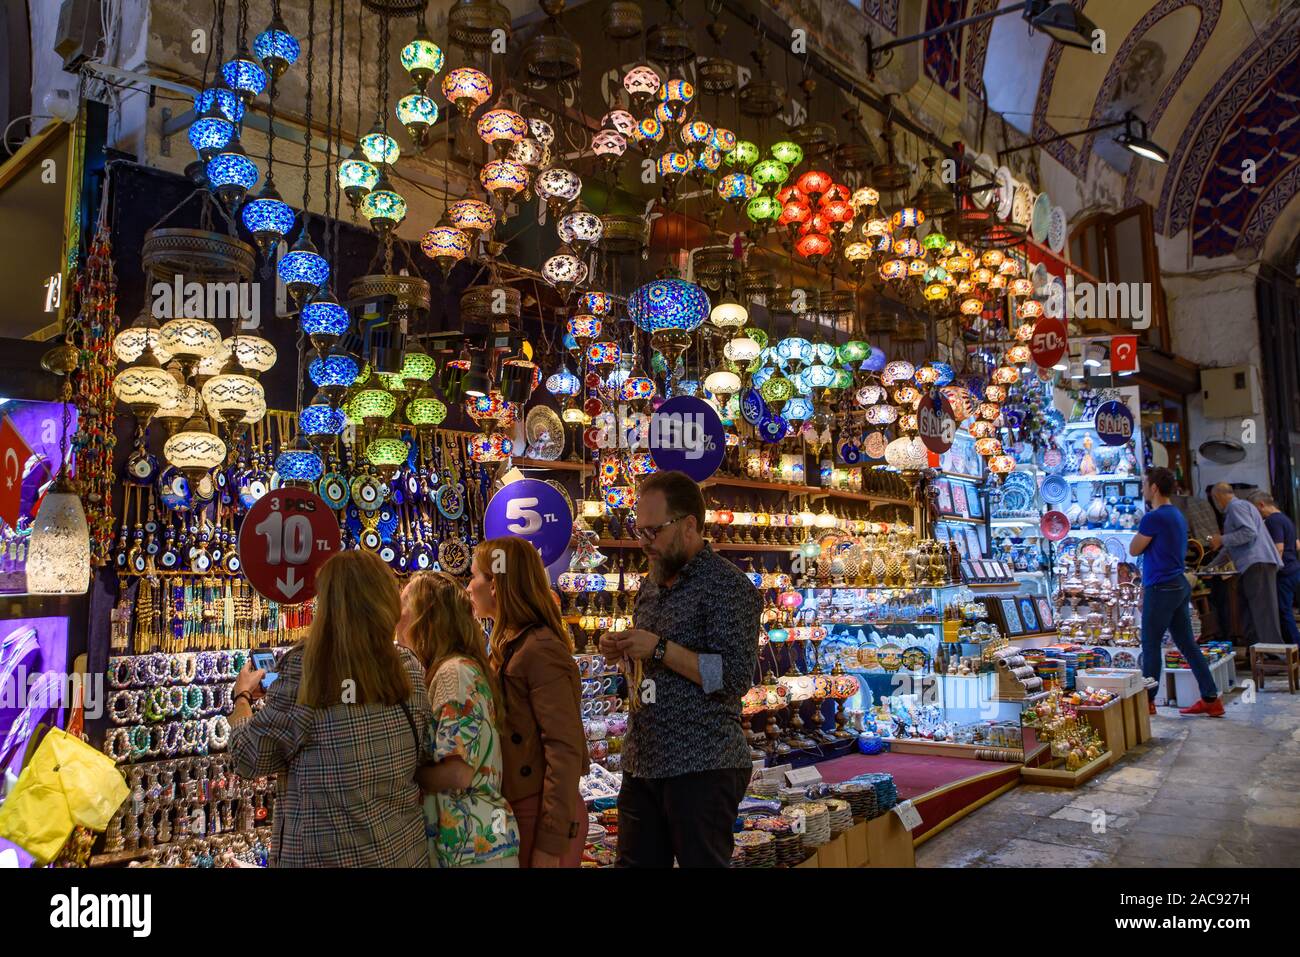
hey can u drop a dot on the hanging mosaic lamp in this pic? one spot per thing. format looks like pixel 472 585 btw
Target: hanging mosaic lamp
pixel 791 154
pixel 383 206
pixel 254 353
pixel 763 209
pixel 232 393
pixel 373 406
pixel 744 154
pixel 299 466
pixel 737 187
pixel 302 269
pixel 268 217
pixel 323 321
pixel 276 48
pixel 189 340
pixel 422 59
pixel 223 98
pixel 424 410
pixel 609 145
pixel 564 271
pixel 417 113
pixel 58 547
pixel 472 216
pixel 145 387
pixel 231 174
pixel 244 75
pixel 380 148
pixel 641 83
pixel 357 176
pixel 563 382
pixel 195 450
pixel 468 88
pixel 501 129
pixel 210 132
pixel 580 228
pixel 387 452
pixel 558 187
pixel 321 422
pixel 333 374
pixel 670 310
pixel 504 179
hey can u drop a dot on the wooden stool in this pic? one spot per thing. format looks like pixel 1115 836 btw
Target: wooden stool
pixel 1261 665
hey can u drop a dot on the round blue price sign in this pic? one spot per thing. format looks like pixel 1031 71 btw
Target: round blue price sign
pixel 534 511
pixel 686 436
pixel 1113 422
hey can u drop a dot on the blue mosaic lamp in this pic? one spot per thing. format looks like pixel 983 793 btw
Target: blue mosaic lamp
pixel 798 409
pixel 244 75
pixel 302 269
pixel 321 422
pixel 670 309
pixel 333 374
pixel 276 47
pixel 210 133
pixel 299 464
pixel 231 174
pixel 220 95
pixel 268 217
pixel 563 382
pixel 323 320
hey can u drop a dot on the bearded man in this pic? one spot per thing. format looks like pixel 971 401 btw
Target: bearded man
pixel 686 763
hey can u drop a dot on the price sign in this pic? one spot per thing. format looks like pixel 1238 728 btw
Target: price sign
pixel 1049 342
pixel 908 814
pixel 936 423
pixel 1113 422
pixel 534 511
pixel 686 436
pixel 14 453
pixel 285 538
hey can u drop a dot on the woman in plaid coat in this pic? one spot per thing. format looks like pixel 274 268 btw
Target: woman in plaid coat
pixel 341 728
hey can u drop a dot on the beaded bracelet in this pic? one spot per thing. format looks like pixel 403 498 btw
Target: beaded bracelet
pixel 155 704
pixel 210 693
pixel 189 667
pixel 156 740
pixel 121 672
pixel 195 696
pixel 189 735
pixel 219 732
pixel 124 715
pixel 139 741
pixel 173 668
pixel 117 744
pixel 205 666
pixel 175 700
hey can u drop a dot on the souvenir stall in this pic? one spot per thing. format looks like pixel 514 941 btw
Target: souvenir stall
pixel 841 348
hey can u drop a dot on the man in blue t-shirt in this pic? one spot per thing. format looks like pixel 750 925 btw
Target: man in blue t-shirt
pixel 1282 530
pixel 1161 540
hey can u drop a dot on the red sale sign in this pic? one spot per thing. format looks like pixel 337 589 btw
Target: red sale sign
pixel 14 453
pixel 1123 354
pixel 285 538
pixel 1049 342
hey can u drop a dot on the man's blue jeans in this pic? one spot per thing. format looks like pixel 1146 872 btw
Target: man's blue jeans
pixel 1165 608
pixel 1286 587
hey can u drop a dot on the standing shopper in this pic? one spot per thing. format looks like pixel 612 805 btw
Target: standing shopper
pixel 685 759
pixel 544 749
pixel 1161 540
pixel 1246 539
pixel 468 822
pixel 1282 530
pixel 341 727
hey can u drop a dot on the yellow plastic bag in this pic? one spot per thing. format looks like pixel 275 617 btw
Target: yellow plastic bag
pixel 67 782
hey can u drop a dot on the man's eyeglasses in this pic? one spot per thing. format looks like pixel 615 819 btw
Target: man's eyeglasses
pixel 650 533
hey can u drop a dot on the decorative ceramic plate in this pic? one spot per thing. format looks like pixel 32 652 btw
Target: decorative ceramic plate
pixel 915 658
pixel 1054 490
pixel 1091 548
pixel 545 433
pixel 1123 658
pixel 1103 654
pixel 982 197
pixel 1054 526
pixel 1022 206
pixel 1040 277
pixel 1053 461
pixel 450 503
pixel 1057 230
pixel 1041 218
pixel 1006 192
pixel 1117 548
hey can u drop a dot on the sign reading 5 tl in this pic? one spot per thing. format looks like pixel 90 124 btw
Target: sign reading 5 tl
pixel 285 538
pixel 534 511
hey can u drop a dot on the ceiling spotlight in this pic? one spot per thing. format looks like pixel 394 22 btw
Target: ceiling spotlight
pixel 1062 22
pixel 1135 140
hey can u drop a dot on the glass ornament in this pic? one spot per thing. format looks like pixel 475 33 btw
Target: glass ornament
pixel 668 304
pixel 504 178
pixel 380 148
pixel 422 59
pixel 763 208
pixel 791 154
pixel 467 88
pixel 501 129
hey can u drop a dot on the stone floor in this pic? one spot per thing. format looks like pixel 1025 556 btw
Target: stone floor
pixel 1203 791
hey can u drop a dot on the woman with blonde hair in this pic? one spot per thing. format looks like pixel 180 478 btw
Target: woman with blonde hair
pixel 468 822
pixel 543 745
pixel 341 727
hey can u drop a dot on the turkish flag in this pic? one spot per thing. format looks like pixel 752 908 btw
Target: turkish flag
pixel 14 453
pixel 1123 353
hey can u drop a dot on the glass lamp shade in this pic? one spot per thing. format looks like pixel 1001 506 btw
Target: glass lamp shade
pixel 425 411
pixel 907 454
pixel 504 178
pixel 604 353
pixel 695 133
pixel 181 407
pixel 648 132
pixel 794 212
pixel 563 382
pixel 813 246
pixel 982 428
pixel 795 349
pixel 857 252
pixel 988 411
pixel 994 393
pixel 580 227
pixel 1020 354
pixel 244 75
pixel 268 217
pixel 610 144
pixel 814 183
pixel 838 213
pixel 357 176
pixel 1002 464
pixel 777 389
pixel 988 446
pixel 58 551
pixel 668 304
pixel 380 148
pixel 417 113
pixel 900 370
pixel 446 245
pixel 677 91
pixel 723 382
pixel 334 372
pixel 729 314
pixel 621 121
pixel 864 197
pixel 253 352
pixel 934 240
pixel 763 208
pixel 210 133
pixel 194 450
pixel 299 464
pixel 881 414
pixel 373 405
pixel 761 375
pixel 422 59
pixel 303 270
pixel 230 395
pixel 387 450
pixel 224 99
pixel 742 349
pixel 820 376
pixel 926 375
pixel 418 366
pixel 869 394
pixel 723 140
pixel 671 165
pixel 1021 286
pixel 231 174
pixel 468 88
pixel 541 131
pixel 907 395
pixel 1029 309
pixel 529 153
pixel 936 292
pixel 564 271
pixel 583 327
pixel 130 343
pixel 383 206
pixel 1006 375
pixel 637 388
pixel 798 409
pixel 770 172
pixel 494 447
pixel 189 339
pixel 501 129
pixel 323 320
pixel 791 154
pixel 906 247
pixel 642 82
pixel 473 216
pixel 908 217
pixel 595 303
pixel 146 388
pixel 320 421
pixel 735 187
pixel 744 154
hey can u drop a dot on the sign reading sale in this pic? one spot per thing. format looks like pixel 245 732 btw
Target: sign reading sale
pixel 284 540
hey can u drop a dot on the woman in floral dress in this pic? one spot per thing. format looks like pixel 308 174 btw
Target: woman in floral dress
pixel 467 821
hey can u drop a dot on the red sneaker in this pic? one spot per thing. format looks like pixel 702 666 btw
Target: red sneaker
pixel 1212 708
pixel 1151 706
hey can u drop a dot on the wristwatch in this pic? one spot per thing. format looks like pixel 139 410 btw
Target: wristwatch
pixel 661 649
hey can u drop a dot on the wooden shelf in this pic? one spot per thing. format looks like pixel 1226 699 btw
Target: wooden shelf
pixel 960 518
pixel 559 465
pixel 717 546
